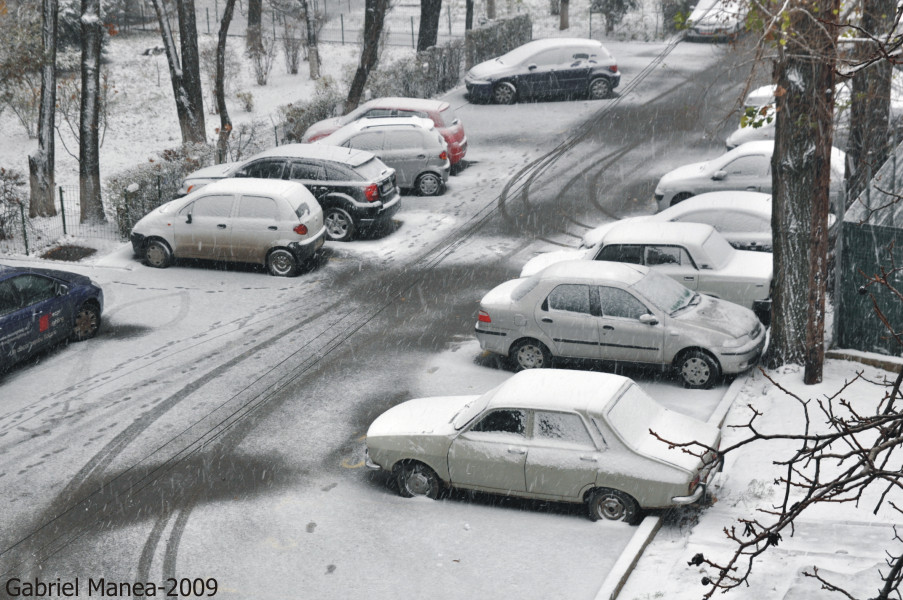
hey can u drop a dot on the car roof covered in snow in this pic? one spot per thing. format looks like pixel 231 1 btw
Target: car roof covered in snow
pixel 644 232
pixel 559 389
pixel 250 185
pixel 424 104
pixel 594 270
pixel 732 200
pixel 348 156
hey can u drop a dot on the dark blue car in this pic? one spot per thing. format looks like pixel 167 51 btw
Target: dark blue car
pixel 41 307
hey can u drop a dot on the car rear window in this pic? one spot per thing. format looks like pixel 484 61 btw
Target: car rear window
pixel 631 414
pixel 336 172
pixel 371 170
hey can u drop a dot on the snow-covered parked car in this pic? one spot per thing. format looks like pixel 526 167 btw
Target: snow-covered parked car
pixel 746 167
pixel 264 221
pixel 716 19
pixel 619 313
pixel 693 254
pixel 569 436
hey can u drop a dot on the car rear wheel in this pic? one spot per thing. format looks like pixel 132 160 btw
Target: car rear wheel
pixel 678 198
pixel 531 354
pixel 698 370
pixel 417 479
pixel 157 254
pixel 504 93
pixel 613 505
pixel 87 322
pixel 429 184
pixel 599 88
pixel 339 224
pixel 282 263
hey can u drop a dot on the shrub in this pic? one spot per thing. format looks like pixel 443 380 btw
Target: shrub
pixel 246 99
pixel 298 116
pixel 12 199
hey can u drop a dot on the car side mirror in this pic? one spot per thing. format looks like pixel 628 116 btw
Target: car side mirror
pixel 648 319
pixel 61 289
pixel 719 175
pixel 531 66
pixel 188 220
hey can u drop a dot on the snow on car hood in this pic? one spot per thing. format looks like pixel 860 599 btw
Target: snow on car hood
pixel 684 172
pixel 678 428
pixel 541 261
pixel 420 416
pixel 487 69
pixel 722 316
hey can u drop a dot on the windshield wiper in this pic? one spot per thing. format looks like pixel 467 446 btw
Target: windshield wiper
pixel 693 301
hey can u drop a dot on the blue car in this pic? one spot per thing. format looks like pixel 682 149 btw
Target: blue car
pixel 42 307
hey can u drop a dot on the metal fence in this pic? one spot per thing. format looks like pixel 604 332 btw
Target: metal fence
pixel 34 235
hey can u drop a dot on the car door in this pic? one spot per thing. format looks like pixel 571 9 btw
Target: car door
pixel 267 168
pixel 538 77
pixel 256 225
pixel 751 173
pixel 312 175
pixel 566 317
pixel 673 261
pixel 562 458
pixel 491 454
pixel 204 228
pixel 42 317
pixel 403 149
pixel 13 326
pixel 573 73
pixel 622 336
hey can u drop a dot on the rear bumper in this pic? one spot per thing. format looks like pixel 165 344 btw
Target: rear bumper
pixel 366 215
pixel 307 248
pixel 456 151
pixel 699 492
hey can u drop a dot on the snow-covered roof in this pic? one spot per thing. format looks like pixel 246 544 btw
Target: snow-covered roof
pixel 251 185
pixel 877 204
pixel 338 154
pixel 424 104
pixel 559 389
pixel 595 270
pixel 645 232
pixel 734 201
pixel 560 43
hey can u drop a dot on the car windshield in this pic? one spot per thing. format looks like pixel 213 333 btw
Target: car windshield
pixel 472 409
pixel 665 293
pixel 718 250
pixel 447 117
pixel 518 55
pixel 632 414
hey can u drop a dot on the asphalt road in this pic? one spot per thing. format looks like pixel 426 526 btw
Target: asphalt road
pixel 183 445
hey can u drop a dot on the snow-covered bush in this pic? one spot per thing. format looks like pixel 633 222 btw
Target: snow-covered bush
pixel 298 116
pixel 12 199
pixel 231 69
pixel 496 38
pixel 246 99
pixel 428 73
pixel 262 58
pixel 134 192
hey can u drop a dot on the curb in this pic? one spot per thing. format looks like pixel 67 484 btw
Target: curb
pixel 646 531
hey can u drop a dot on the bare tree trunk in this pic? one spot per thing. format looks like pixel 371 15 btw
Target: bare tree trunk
pixel 374 17
pixel 430 11
pixel 313 54
pixel 490 9
pixel 225 127
pixel 185 73
pixel 563 15
pixel 870 107
pixel 804 73
pixel 468 15
pixel 89 126
pixel 253 40
pixel 41 164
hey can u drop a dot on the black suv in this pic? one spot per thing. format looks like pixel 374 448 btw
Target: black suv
pixel 356 190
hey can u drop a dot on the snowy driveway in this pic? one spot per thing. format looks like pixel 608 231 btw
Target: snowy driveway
pixel 214 428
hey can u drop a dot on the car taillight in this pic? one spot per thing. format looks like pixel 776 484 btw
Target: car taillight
pixel 190 187
pixel 300 229
pixel 443 155
pixel 613 68
pixel 483 317
pixel 372 192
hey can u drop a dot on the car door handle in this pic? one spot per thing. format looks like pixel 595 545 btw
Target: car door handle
pixel 546 320
pixel 272 228
pixel 609 327
pixel 689 277
pixel 516 451
pixel 221 226
pixel 589 459
pixel 421 156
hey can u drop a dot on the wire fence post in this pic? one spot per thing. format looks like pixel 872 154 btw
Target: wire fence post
pixel 159 192
pixel 448 12
pixel 413 45
pixel 63 210
pixel 208 20
pixel 276 133
pixel 342 22
pixel 24 229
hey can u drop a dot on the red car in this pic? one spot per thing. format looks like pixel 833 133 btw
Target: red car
pixel 441 113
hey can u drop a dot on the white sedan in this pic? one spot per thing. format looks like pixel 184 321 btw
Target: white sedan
pixel 568 436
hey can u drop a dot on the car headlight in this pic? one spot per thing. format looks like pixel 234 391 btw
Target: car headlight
pixel 736 342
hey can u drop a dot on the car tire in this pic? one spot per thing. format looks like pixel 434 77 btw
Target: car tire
pixel 282 263
pixel 157 254
pixel 504 93
pixel 417 479
pixel 339 224
pixel 697 369
pixel 600 88
pixel 428 184
pixel 613 505
pixel 678 198
pixel 530 354
pixel 86 322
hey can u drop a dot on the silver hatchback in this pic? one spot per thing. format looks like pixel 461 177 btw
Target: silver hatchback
pixel 618 312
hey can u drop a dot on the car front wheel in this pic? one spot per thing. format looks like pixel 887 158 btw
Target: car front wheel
pixel 282 263
pixel 157 254
pixel 417 479
pixel 429 184
pixel 339 224
pixel 87 322
pixel 599 88
pixel 531 354
pixel 504 93
pixel 613 505
pixel 698 370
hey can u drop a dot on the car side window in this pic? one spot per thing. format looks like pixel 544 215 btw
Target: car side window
pixel 665 255
pixel 265 169
pixel 748 166
pixel 257 207
pixel 619 303
pixel 412 113
pixel 396 140
pixel 622 253
pixel 34 288
pixel 211 206
pixel 548 58
pixel 374 113
pixel 571 298
pixel 372 141
pixel 503 421
pixel 307 171
pixel 336 172
pixel 560 427
pixel 743 222
pixel 9 298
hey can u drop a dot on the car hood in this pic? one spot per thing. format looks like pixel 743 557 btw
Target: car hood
pixel 678 428
pixel 487 69
pixel 541 261
pixel 717 315
pixel 321 128
pixel 422 416
pixel 747 265
pixel 690 171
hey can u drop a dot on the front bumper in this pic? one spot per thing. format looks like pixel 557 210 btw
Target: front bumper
pixel 368 462
pixel 737 360
pixel 478 91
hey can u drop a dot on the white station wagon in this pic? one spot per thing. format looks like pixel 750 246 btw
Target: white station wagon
pixel 693 254
pixel 568 436
pixel 619 313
